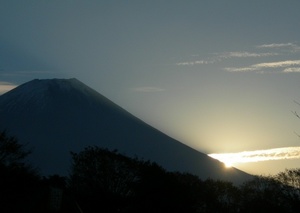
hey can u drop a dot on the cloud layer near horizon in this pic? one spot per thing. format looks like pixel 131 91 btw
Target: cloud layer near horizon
pixel 258 155
pixel 6 86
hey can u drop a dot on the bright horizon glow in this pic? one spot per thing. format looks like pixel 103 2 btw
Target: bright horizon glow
pixel 228 164
pixel 229 159
pixel 5 87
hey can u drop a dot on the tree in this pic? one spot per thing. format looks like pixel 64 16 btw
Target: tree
pixel 220 196
pixel 19 183
pixel 290 185
pixel 111 182
pixel 290 177
pixel 266 194
pixel 99 176
pixel 12 153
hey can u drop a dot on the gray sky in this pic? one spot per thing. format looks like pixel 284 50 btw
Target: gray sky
pixel 220 76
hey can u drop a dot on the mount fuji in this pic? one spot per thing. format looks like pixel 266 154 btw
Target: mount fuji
pixel 56 116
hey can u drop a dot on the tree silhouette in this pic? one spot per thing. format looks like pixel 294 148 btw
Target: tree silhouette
pixel 19 183
pixel 12 153
pixel 290 185
pixel 289 177
pixel 220 196
pixel 99 176
pixel 111 182
pixel 107 181
pixel 266 194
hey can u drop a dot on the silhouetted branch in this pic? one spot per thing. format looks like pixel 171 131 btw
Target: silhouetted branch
pixel 296 114
pixel 297 134
pixel 297 102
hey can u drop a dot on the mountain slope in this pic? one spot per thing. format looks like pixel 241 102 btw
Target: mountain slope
pixel 58 116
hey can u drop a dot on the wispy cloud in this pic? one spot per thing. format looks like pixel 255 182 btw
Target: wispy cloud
pixel 226 55
pixel 258 155
pixel 148 89
pixel 278 64
pixel 240 69
pixel 191 63
pixel 291 69
pixel 291 66
pixel 245 54
pixel 277 45
pixel 6 86
pixel 271 64
pixel 285 47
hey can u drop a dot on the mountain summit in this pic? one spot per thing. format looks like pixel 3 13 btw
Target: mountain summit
pixel 61 115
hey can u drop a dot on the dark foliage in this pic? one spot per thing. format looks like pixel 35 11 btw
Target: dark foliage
pixel 12 153
pixel 101 177
pixel 266 194
pixel 107 181
pixel 22 190
pixel 18 181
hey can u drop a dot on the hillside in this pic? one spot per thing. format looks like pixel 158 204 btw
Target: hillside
pixel 61 115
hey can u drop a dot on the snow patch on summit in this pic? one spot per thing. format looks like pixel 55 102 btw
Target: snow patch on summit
pixel 34 92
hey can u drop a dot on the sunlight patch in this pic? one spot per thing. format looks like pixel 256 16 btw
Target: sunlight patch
pixel 258 155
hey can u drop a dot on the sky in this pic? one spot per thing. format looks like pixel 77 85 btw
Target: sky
pixel 220 76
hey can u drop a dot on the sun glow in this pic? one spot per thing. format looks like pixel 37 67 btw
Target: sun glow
pixel 229 159
pixel 228 164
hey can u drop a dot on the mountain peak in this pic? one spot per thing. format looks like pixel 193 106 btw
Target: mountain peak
pixel 42 84
pixel 39 93
pixel 38 86
pixel 57 116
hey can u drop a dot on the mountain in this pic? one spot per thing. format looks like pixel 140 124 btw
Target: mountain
pixel 61 115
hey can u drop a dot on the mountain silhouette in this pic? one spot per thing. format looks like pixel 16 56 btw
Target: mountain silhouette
pixel 57 116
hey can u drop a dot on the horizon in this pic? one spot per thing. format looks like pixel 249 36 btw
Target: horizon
pixel 222 78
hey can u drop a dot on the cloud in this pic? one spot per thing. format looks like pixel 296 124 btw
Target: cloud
pixel 274 49
pixel 245 54
pixel 290 47
pixel 226 55
pixel 278 64
pixel 6 86
pixel 185 63
pixel 274 45
pixel 258 155
pixel 292 66
pixel 191 63
pixel 148 89
pixel 291 69
pixel 240 69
